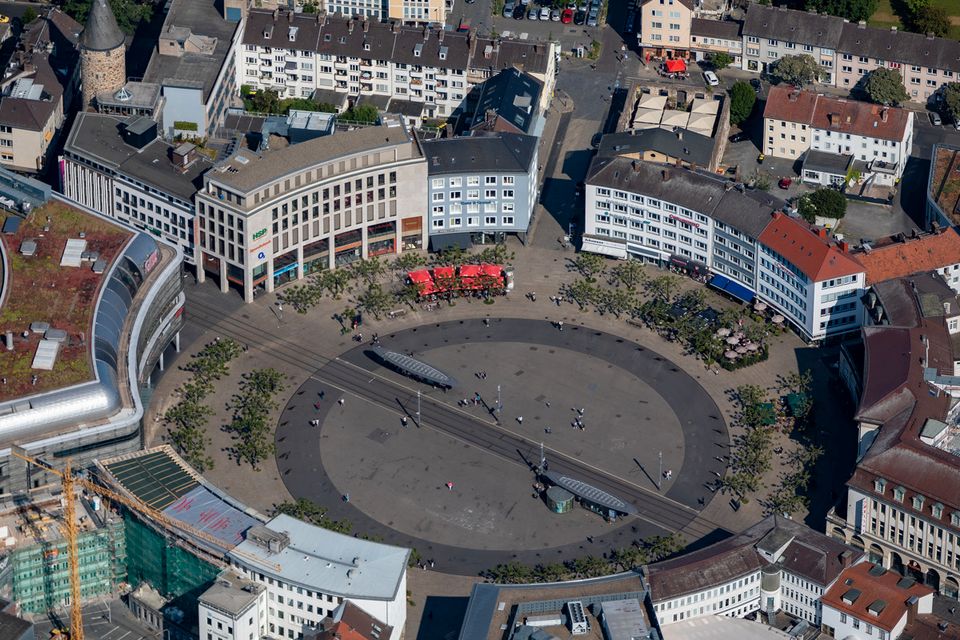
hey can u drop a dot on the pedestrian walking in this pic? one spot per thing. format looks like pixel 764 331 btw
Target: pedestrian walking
pixel 341 401
pixel 322 394
pixel 520 419
pixel 403 420
pixel 560 325
pixel 316 405
pixel 486 322
pixel 476 398
pixel 548 430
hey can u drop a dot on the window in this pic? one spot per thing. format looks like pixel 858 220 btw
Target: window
pixel 473 181
pixel 879 485
pixel 488 220
pixel 456 182
pixel 437 183
pixel 438 211
pixel 508 180
pixel 490 180
pixel 438 224
pixel 918 502
pixel 454 195
pixel 898 494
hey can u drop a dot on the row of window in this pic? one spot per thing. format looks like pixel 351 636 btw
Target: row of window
pixel 473 194
pixel 472 181
pixel 473 221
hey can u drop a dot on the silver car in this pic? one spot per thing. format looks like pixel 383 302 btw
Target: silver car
pixel 555 15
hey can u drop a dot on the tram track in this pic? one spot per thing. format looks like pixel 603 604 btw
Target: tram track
pixel 486 435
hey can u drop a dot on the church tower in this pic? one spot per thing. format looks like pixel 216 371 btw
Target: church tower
pixel 102 50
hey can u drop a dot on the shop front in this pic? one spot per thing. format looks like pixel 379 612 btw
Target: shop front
pixel 381 239
pixel 316 256
pixel 347 248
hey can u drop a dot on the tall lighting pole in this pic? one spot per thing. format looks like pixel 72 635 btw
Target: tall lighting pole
pixel 660 475
pixel 418 408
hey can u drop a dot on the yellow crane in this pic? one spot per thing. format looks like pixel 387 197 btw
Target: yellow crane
pixel 69 484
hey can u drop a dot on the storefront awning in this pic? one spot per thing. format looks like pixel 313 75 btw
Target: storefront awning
pixel 675 66
pixel 735 289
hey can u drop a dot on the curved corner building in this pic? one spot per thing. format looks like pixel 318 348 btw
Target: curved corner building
pixel 87 309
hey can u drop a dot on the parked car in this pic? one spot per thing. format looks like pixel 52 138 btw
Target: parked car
pixel 785 183
pixel 544 13
pixel 956 124
pixel 711 78
pixel 519 12
pixel 507 9
pixel 555 15
pixel 592 20
pixel 567 16
pixel 740 136
pixel 935 119
pixel 579 17
pixel 756 84
pixel 532 14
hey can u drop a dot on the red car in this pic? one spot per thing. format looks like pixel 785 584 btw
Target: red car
pixel 567 16
pixel 785 183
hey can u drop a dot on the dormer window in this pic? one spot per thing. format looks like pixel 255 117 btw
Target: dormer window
pixel 918 502
pixel 366 46
pixel 955 518
pixel 292 34
pixel 899 493
pixel 267 33
pixel 443 53
pixel 937 510
pixel 417 50
pixel 879 485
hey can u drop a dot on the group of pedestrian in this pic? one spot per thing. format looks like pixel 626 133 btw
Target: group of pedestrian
pixel 424 565
pixel 578 421
pixel 556 300
pixel 481 375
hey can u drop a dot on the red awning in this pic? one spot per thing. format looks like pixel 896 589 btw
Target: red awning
pixel 676 65
pixel 443 272
pixel 491 270
pixel 418 277
pixel 468 276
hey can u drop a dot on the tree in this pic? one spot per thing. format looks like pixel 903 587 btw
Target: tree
pixel 407 262
pixel 374 300
pixel 720 61
pixel 188 434
pixel 798 70
pixel 931 19
pixel 662 287
pixel 129 13
pixel 951 100
pixel 885 86
pixel 852 10
pixel 742 100
pixel 824 203
pixel 251 408
pixel 364 113
pixel 589 265
pixel 263 101
pixel 581 292
pixel 334 281
pixel 29 15
pixel 628 273
pixel 369 270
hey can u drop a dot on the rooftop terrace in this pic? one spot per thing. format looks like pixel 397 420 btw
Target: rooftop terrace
pixel 37 289
pixel 945 181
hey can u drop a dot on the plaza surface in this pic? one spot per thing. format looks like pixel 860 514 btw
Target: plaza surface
pixel 636 405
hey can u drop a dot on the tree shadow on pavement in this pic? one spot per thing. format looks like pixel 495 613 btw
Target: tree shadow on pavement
pixel 442 617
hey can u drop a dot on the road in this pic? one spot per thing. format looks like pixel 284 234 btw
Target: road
pixel 306 478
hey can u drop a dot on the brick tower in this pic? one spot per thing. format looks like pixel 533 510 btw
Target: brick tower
pixel 102 64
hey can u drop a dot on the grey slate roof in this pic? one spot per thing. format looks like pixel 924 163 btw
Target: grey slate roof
pixel 910 48
pixel 826 162
pixel 101 32
pixel 97 136
pixel 692 147
pixel 747 211
pixel 367 39
pixel 726 29
pixel 513 95
pixel 492 152
pixel 793 26
pixel 14 628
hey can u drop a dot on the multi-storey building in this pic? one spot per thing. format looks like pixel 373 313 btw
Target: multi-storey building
pixel 846 133
pixel 40 87
pixel 709 37
pixel 233 609
pixel 430 69
pixel 904 255
pixel 868 602
pixel 481 186
pixel 665 28
pixel 769 33
pixel 661 213
pixel 121 169
pixel 267 218
pixel 900 505
pixel 775 565
pixel 194 65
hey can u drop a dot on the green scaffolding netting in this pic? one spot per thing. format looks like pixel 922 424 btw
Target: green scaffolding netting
pixel 171 570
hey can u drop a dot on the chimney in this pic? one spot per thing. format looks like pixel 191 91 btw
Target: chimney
pixel 426 32
pixel 862 24
pixel 350 24
pixel 395 26
pixel 844 246
pixel 366 25
pixel 777 215
pixel 276 14
pixel 793 95
pixel 679 134
pixel 636 165
pixel 289 16
pixel 846 558
pixel 665 175
pixel 883 114
pixel 821 232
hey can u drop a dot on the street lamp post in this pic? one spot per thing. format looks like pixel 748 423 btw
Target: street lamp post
pixel 418 408
pixel 499 404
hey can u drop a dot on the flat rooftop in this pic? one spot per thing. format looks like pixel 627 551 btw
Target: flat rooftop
pixel 40 521
pixel 247 171
pixel 98 136
pixel 945 181
pixel 193 69
pixel 160 479
pixel 232 594
pixel 39 290
pixel 721 628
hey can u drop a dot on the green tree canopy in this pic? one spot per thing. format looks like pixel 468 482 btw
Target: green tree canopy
pixel 742 100
pixel 885 86
pixel 797 70
pixel 826 203
pixel 951 99
pixel 362 113
pixel 852 10
pixel 129 13
pixel 931 19
pixel 721 60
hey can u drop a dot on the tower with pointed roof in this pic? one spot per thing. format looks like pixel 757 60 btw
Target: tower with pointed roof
pixel 102 50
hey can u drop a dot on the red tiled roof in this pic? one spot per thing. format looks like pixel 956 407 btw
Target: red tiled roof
pixel 836 114
pixel 873 588
pixel 341 631
pixel 815 256
pixel 899 259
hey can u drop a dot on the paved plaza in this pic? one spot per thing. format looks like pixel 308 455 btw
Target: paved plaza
pixel 635 405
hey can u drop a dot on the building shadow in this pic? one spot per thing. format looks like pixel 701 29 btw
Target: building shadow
pixel 442 617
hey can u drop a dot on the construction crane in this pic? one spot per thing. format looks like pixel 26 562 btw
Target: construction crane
pixel 69 484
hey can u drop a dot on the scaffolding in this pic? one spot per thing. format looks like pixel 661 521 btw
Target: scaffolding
pixel 40 573
pixel 168 568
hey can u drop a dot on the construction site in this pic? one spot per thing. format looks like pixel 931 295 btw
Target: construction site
pixel 35 556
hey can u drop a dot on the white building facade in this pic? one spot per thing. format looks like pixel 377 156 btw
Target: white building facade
pixel 232 609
